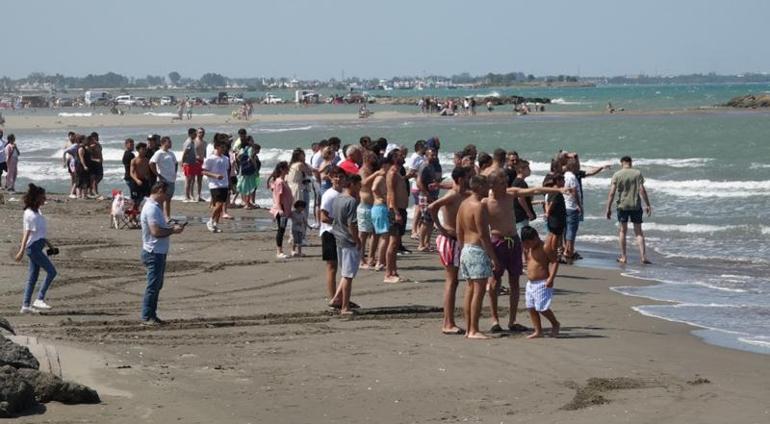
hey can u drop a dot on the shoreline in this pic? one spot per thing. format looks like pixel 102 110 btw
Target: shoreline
pixel 54 122
pixel 249 338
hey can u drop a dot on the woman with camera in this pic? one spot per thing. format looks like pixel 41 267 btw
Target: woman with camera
pixel 32 242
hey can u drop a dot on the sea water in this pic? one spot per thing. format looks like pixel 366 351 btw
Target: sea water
pixel 708 176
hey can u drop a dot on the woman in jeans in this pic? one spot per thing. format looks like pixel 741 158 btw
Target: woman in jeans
pixel 283 201
pixel 32 242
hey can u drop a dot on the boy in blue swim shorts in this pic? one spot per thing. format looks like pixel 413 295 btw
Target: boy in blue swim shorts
pixel 542 266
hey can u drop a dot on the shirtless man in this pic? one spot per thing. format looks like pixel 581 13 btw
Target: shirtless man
pixel 140 175
pixel 397 200
pixel 506 242
pixel 477 258
pixel 498 162
pixel 446 242
pixel 364 211
pixel 380 217
pixel 542 266
pixel 200 156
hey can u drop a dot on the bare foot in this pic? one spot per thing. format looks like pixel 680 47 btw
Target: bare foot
pixel 453 331
pixel 393 279
pixel 535 335
pixel 621 259
pixel 477 336
pixel 555 330
pixel 346 312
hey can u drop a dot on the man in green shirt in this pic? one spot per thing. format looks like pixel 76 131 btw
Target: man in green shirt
pixel 628 184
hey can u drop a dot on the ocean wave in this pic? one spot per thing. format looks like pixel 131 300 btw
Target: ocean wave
pixel 755 165
pixel 75 114
pixel 172 114
pixel 765 230
pixel 280 130
pixel 695 188
pixel 756 341
pixel 490 94
pixel 673 163
pixel 690 228
pixel 561 101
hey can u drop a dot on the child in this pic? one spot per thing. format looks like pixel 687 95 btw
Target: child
pixel 298 227
pixel 555 212
pixel 542 265
pixel 217 168
pixel 282 203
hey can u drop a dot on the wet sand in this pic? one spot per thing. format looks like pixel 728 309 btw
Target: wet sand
pixel 249 339
pixel 102 119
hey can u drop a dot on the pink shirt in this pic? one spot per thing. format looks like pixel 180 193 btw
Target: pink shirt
pixel 283 200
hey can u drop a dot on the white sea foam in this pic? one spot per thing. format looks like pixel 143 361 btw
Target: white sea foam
pixel 674 163
pixel 690 228
pixel 280 130
pixel 172 114
pixel 695 188
pixel 75 114
pixel 765 230
pixel 490 94
pixel 755 165
pixel 561 101
pixel 756 341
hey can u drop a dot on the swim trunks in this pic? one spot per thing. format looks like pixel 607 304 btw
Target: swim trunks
pixel 474 263
pixel 193 169
pixel 538 296
pixel 364 217
pixel 508 251
pixel 448 250
pixel 380 219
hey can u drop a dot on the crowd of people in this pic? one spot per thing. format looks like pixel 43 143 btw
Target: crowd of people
pixel 360 195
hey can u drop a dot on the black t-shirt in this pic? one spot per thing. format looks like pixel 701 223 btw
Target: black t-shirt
pixel 521 214
pixel 557 219
pixel 431 173
pixel 127 158
pixel 151 152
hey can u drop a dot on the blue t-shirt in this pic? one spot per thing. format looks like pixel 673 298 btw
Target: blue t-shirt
pixel 152 214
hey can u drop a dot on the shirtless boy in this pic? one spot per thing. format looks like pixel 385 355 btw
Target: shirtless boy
pixel 140 175
pixel 446 242
pixel 380 218
pixel 477 257
pixel 364 211
pixel 505 239
pixel 542 265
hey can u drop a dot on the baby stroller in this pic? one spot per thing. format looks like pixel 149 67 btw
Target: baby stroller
pixel 123 213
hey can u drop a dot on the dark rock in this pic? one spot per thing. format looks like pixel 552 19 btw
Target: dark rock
pixel 15 355
pixel 749 101
pixel 48 387
pixel 16 395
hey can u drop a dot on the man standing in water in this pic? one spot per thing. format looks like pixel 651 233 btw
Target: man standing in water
pixel 477 258
pixel 628 183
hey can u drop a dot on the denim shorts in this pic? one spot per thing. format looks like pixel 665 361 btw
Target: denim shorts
pixel 573 222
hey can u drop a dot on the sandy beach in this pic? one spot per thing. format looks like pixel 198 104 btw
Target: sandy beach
pixel 249 339
pixel 102 119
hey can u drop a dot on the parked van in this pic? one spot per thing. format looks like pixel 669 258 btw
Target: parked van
pixel 126 100
pixel 96 98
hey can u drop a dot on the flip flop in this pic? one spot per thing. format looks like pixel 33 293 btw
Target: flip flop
pixel 646 262
pixel 496 329
pixel 517 328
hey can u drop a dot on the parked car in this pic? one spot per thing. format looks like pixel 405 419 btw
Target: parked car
pixel 96 98
pixel 167 101
pixel 126 100
pixel 271 99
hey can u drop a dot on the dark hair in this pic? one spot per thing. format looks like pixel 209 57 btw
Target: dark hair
pixel 94 135
pixel 371 159
pixel 279 167
pixel 11 138
pixel 295 155
pixel 345 151
pixel 69 134
pixel 354 179
pixel 335 171
pixel 419 145
pixel 31 198
pixel 477 181
pixel 164 139
pixel 219 142
pixel 334 141
pixel 459 173
pixel 391 157
pixel 529 233
pixel 129 140
pixel 625 159
pixel 470 150
pixel 365 141
pixel 380 145
pixel 521 165
pixel 242 131
pixel 484 160
pixel 140 146
pixel 499 155
pixel 159 187
pixel 191 132
pixel 300 204
pixel 323 143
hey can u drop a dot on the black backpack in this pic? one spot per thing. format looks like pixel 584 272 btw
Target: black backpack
pixel 247 165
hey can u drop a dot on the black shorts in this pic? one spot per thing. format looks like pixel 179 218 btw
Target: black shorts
pixel 3 167
pixel 97 170
pixel 635 216
pixel 397 228
pixel 233 183
pixel 219 195
pixel 556 230
pixel 328 247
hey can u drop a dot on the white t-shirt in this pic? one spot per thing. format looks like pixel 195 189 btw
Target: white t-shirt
pixel 166 164
pixel 218 165
pixel 414 162
pixel 327 201
pixel 34 222
pixel 571 201
pixel 316 160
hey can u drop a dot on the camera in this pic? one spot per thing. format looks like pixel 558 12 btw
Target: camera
pixel 52 251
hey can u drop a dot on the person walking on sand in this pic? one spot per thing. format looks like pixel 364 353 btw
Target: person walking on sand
pixel 3 158
pixel 345 230
pixel 328 243
pixel 542 266
pixel 155 246
pixel 217 168
pixel 189 162
pixel 478 261
pixel 34 238
pixel 12 160
pixel 447 245
pixel 283 201
pixel 628 184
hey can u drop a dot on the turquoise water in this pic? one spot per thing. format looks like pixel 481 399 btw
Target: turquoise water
pixel 708 176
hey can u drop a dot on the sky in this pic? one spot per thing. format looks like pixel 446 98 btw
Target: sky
pixel 323 39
